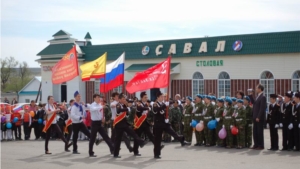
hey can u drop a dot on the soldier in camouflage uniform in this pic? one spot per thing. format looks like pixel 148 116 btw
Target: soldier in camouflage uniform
pixel 187 112
pixel 107 115
pixel 175 117
pixel 131 113
pixel 228 121
pixel 248 111
pixel 219 117
pixel 198 116
pixel 240 123
pixel 208 115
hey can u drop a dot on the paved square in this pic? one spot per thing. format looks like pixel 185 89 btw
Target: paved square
pixel 30 154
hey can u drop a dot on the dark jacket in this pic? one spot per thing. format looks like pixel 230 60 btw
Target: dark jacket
pixel 274 114
pixel 120 109
pixel 159 110
pixel 259 108
pixel 295 119
pixel 286 113
pixel 139 111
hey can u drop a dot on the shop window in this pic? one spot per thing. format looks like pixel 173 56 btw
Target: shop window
pixel 296 81
pixel 267 80
pixel 197 84
pixel 224 84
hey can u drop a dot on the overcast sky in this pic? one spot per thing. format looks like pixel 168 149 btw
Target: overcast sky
pixel 27 25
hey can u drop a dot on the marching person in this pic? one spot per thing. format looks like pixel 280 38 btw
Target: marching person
pixel 240 123
pixel 248 111
pixel 51 124
pixel 161 124
pixel 285 115
pixel 113 107
pixel 97 117
pixel 198 116
pixel 77 115
pixel 273 120
pixel 295 120
pixel 188 112
pixel 219 117
pixel 69 127
pixel 121 125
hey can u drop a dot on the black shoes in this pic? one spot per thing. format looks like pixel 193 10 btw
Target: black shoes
pixel 76 152
pixel 97 142
pixel 117 156
pixel 137 154
pixel 66 150
pixel 157 157
pixel 130 149
pixel 143 144
pixel 162 146
pixel 93 155
pixel 47 152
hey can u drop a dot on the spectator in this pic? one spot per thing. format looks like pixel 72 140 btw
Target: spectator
pixel 14 101
pixel 6 100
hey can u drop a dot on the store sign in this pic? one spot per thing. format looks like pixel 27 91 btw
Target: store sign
pixel 237 45
pixel 210 63
pixel 145 50
pixel 47 68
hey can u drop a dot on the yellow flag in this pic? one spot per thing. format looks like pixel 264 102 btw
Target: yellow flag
pixel 94 69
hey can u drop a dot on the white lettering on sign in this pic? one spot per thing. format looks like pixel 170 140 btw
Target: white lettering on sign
pixel 203 47
pixel 172 49
pixel 158 50
pixel 47 68
pixel 187 48
pixel 220 46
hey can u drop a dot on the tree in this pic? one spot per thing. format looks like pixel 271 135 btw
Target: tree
pixel 23 71
pixel 7 66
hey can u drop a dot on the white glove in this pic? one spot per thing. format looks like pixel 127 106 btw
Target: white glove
pixel 280 125
pixel 149 108
pixel 128 109
pixel 151 103
pixel 167 121
pixel 167 103
pixel 290 126
pixel 144 112
pixel 218 119
pixel 276 126
pixel 231 126
pixel 299 126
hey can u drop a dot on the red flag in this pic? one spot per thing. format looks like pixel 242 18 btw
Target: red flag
pixel 155 77
pixel 66 69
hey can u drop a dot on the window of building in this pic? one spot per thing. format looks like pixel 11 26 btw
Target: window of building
pixel 97 86
pixel 118 89
pixel 197 84
pixel 27 100
pixel 267 80
pixel 296 81
pixel 223 84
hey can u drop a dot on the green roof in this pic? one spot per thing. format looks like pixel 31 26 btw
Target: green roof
pixel 263 43
pixel 136 67
pixel 55 49
pixel 88 36
pixel 60 33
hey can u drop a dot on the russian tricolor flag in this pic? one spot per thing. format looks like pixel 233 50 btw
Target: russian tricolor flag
pixel 18 108
pixel 114 75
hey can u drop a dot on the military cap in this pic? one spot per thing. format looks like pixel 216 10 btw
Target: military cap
pixel 247 98
pixel 228 99
pixel 220 100
pixel 274 96
pixel 240 101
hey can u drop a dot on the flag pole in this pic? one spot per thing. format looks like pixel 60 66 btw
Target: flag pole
pixel 168 91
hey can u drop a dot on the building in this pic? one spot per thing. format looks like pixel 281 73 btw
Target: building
pixel 220 65
pixel 31 91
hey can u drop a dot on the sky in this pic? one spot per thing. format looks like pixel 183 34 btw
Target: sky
pixel 27 25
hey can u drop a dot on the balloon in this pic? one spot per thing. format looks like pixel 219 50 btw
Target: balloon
pixel 44 122
pixel 15 119
pixel 222 133
pixel 3 119
pixel 212 124
pixel 8 125
pixel 31 113
pixel 234 130
pixel 40 121
pixel 194 123
pixel 199 127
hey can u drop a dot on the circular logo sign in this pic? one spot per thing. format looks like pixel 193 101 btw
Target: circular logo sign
pixel 237 45
pixel 145 50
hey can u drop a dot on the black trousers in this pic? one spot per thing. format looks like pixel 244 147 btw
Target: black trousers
pixel 113 131
pixel 285 136
pixel 119 135
pixel 124 137
pixel 76 128
pixel 97 127
pixel 296 136
pixel 36 130
pixel 143 129
pixel 258 133
pixel 41 127
pixel 291 140
pixel 158 137
pixel 54 127
pixel 17 130
pixel 70 130
pixel 273 136
pixel 26 128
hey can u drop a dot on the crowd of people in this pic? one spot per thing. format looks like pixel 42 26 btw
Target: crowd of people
pixel 237 121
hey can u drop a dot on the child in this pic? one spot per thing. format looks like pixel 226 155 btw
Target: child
pixel 219 117
pixel 228 121
pixel 240 123
pixel 26 122
pixel 248 111
pixel 17 125
pixel 8 120
pixel 273 120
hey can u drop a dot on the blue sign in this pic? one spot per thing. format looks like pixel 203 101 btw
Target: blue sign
pixel 237 45
pixel 145 50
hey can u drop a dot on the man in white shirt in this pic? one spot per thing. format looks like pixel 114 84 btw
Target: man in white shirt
pixel 97 117
pixel 77 115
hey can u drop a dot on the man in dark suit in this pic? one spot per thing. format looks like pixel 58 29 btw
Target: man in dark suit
pixel 259 110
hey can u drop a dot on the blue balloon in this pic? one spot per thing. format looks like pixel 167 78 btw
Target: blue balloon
pixel 212 124
pixel 8 125
pixel 194 123
pixel 40 121
pixel 15 119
